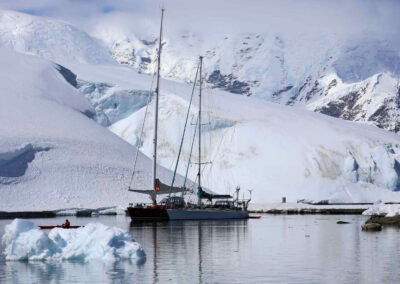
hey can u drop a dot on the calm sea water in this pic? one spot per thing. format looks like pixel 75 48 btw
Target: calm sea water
pixel 274 249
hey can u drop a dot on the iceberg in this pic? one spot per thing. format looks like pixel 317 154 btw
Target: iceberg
pixel 23 240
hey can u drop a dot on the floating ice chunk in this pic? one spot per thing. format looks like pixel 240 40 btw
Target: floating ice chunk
pixel 96 241
pixel 23 241
pixel 387 210
pixel 108 211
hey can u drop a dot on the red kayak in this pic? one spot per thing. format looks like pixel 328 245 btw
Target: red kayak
pixel 58 226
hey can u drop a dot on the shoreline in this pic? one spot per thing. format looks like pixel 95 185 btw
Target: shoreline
pixel 78 212
pixel 271 208
pixel 304 208
pixel 309 211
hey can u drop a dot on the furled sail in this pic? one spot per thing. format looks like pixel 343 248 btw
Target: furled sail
pixel 202 194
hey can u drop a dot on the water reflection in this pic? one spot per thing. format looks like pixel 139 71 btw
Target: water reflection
pixel 274 249
pixel 187 247
pixel 68 272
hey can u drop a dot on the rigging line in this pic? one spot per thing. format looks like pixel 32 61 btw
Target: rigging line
pixel 142 130
pixel 192 190
pixel 184 130
pixel 190 155
pixel 208 102
pixel 216 153
pixel 223 134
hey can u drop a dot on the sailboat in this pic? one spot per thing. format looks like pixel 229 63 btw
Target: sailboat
pixel 175 207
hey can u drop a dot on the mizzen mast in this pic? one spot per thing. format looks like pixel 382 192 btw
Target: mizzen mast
pixel 199 170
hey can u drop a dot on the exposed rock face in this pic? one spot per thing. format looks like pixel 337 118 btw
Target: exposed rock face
pixel 344 107
pixel 228 83
pixel 354 79
pixel 67 74
pixel 373 101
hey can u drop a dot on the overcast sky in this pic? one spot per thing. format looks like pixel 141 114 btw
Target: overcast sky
pixel 223 16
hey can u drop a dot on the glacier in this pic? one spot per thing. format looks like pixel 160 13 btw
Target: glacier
pixel 290 68
pixel 56 152
pixel 276 150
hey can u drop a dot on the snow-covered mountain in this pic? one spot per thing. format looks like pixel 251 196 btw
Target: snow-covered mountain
pixel 327 73
pixel 274 149
pixel 296 69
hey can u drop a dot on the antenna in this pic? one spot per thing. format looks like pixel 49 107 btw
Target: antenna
pixel 250 191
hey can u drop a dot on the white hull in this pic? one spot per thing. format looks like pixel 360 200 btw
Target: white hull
pixel 204 214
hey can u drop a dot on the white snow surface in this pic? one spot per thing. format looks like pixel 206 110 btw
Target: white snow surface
pixel 52 155
pixel 50 38
pixel 23 240
pixel 269 61
pixel 301 206
pixel 387 210
pixel 275 150
pixel 303 67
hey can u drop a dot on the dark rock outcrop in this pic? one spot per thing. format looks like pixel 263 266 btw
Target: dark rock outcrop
pixel 371 227
pixel 68 75
pixel 383 220
pixel 228 83
pixel 345 108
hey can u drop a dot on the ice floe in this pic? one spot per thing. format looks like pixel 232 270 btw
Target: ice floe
pixel 23 240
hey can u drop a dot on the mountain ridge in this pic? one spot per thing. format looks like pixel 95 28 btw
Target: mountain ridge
pixel 275 149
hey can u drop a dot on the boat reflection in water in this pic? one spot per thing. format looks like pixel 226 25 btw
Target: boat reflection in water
pixel 273 249
pixel 192 243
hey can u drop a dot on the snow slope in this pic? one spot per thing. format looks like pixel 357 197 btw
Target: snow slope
pixel 51 39
pixel 273 149
pixel 321 71
pixel 52 155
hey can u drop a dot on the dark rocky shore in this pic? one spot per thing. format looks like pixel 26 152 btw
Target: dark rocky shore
pixel 55 213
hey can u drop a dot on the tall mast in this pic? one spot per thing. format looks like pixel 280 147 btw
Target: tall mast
pixel 199 172
pixel 153 197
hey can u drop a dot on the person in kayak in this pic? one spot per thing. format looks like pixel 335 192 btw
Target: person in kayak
pixel 67 224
